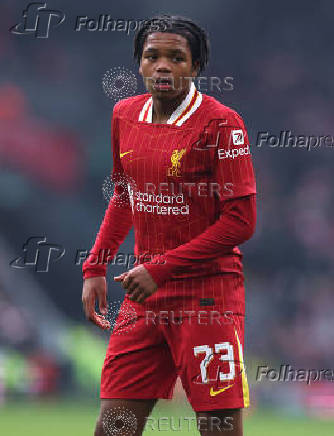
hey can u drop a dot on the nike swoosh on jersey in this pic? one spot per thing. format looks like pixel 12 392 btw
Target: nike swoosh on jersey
pixel 126 152
pixel 214 393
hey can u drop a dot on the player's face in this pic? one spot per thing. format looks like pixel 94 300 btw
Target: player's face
pixel 166 65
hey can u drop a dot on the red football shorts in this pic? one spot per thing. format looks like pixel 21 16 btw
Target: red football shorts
pixel 202 344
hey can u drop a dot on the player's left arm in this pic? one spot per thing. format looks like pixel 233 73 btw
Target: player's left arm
pixel 234 175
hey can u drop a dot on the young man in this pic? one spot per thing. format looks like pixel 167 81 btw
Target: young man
pixel 184 179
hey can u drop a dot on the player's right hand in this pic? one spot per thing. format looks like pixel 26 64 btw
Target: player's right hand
pixel 95 288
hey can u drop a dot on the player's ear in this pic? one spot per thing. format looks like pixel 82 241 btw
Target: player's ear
pixel 140 69
pixel 195 69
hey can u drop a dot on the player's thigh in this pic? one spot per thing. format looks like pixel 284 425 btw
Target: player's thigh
pixel 220 422
pixel 123 417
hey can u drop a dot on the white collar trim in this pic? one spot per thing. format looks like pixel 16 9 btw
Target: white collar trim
pixel 188 106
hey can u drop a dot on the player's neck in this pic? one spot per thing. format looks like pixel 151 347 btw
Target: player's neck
pixel 163 109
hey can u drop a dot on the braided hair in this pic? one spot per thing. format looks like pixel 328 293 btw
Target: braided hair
pixel 196 36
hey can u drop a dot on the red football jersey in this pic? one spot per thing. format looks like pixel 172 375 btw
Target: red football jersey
pixel 172 183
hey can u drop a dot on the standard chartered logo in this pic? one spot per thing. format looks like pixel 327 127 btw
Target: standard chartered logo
pixel 162 204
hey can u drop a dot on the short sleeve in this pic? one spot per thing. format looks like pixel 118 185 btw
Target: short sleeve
pixel 233 167
pixel 120 180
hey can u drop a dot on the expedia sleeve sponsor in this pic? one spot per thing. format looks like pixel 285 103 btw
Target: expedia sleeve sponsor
pixel 233 166
pixel 233 153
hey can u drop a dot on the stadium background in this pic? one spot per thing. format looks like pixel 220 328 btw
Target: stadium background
pixel 55 155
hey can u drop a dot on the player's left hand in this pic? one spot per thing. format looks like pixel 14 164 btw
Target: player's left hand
pixel 138 283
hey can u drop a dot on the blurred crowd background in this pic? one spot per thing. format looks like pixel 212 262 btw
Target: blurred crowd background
pixel 55 154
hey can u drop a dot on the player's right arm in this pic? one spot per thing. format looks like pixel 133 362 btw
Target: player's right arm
pixel 115 226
